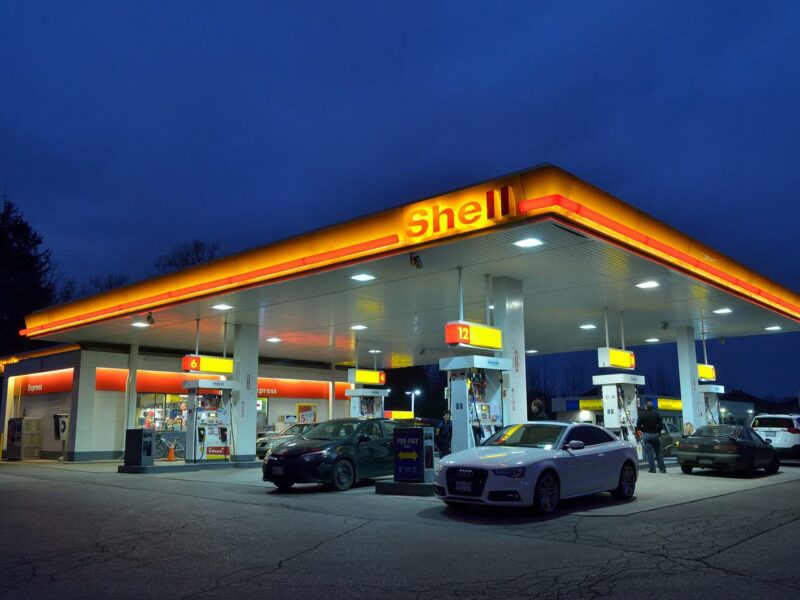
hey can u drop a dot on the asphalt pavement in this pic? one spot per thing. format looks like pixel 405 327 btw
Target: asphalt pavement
pixel 84 531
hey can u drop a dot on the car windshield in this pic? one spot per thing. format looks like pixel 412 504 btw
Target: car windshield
pixel 718 431
pixel 331 430
pixel 532 435
pixel 293 430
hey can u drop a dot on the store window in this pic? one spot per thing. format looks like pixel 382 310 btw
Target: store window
pixel 162 412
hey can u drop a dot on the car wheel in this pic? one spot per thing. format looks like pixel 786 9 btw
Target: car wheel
pixel 343 476
pixel 627 483
pixel 687 469
pixel 773 466
pixel 547 493
pixel 284 485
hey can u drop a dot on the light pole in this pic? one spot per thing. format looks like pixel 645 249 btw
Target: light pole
pixel 413 394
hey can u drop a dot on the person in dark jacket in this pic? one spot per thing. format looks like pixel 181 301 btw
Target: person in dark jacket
pixel 445 435
pixel 537 412
pixel 650 424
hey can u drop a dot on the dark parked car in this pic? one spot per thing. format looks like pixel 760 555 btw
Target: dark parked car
pixel 265 444
pixel 729 447
pixel 338 453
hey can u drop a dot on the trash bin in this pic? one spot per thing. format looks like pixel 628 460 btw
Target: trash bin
pixel 139 444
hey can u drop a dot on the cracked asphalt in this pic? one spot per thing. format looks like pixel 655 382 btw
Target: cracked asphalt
pixel 89 533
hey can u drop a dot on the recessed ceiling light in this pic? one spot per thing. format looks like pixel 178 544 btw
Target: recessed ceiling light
pixel 222 307
pixel 528 243
pixel 491 307
pixel 588 326
pixel 358 327
pixel 652 340
pixel 722 311
pixel 363 277
pixel 374 351
pixel 773 328
pixel 274 340
pixel 531 351
pixel 646 285
pixel 140 324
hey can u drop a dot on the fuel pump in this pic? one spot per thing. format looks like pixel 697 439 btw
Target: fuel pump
pixel 366 402
pixel 475 393
pixel 710 394
pixel 208 419
pixel 621 405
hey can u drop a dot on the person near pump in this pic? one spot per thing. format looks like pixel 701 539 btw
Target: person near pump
pixel 650 424
pixel 537 412
pixel 445 435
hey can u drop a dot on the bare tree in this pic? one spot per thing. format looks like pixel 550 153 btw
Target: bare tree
pixel 193 252
pixel 109 281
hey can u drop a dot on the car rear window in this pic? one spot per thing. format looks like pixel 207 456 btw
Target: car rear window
pixel 718 430
pixel 781 422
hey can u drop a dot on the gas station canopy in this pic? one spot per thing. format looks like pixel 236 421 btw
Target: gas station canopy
pixel 389 282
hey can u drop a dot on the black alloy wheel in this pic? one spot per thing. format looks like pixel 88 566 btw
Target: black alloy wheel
pixel 687 469
pixel 547 493
pixel 627 483
pixel 343 475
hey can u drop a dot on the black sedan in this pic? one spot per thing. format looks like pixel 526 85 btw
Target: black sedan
pixel 338 453
pixel 728 447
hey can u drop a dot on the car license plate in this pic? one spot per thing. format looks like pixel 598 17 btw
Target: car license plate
pixel 277 470
pixel 463 486
pixel 705 460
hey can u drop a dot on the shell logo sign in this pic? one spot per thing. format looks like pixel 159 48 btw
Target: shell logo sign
pixel 458 212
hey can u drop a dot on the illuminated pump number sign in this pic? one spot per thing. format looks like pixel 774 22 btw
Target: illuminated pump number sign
pixel 366 376
pixel 463 334
pixel 206 364
pixel 706 372
pixel 616 359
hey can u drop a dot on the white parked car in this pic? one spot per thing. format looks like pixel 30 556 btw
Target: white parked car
pixel 782 431
pixel 537 464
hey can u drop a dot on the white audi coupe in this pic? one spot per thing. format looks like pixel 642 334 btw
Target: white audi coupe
pixel 537 464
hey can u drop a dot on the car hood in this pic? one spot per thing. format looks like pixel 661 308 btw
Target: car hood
pixel 302 445
pixel 493 457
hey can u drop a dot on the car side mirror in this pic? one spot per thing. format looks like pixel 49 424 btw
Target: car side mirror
pixel 575 445
pixel 769 441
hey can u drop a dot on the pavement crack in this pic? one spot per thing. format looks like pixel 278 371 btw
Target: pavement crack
pixel 249 573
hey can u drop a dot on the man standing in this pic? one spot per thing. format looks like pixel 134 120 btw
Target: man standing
pixel 650 425
pixel 537 412
pixel 445 435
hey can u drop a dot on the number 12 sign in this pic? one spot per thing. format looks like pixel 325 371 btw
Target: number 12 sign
pixel 463 334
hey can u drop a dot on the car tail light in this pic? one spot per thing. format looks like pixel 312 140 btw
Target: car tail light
pixel 793 430
pixel 726 448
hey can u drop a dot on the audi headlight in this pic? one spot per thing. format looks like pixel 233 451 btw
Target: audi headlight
pixel 315 456
pixel 438 468
pixel 515 472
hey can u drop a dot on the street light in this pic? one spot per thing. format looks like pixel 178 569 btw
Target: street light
pixel 413 394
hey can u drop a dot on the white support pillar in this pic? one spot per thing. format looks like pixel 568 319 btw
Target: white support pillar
pixel 243 399
pixel 694 411
pixel 80 439
pixel 130 389
pixel 509 316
